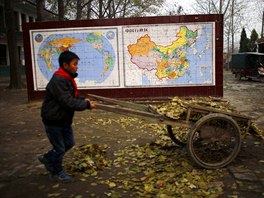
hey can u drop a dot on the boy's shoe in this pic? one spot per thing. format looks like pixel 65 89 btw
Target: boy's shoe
pixel 47 165
pixel 61 177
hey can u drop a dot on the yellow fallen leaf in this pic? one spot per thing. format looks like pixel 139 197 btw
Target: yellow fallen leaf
pixel 202 185
pixel 112 185
pixel 56 186
pixel 160 182
pixel 148 187
pixel 54 194
pixel 192 186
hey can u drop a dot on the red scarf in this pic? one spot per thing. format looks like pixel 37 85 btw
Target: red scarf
pixel 64 74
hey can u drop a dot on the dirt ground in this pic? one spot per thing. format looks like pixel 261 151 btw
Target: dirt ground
pixel 22 139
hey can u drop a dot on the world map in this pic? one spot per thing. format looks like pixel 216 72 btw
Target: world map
pixel 97 56
pixel 163 55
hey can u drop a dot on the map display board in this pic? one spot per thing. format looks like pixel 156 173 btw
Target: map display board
pixel 141 57
pixel 165 55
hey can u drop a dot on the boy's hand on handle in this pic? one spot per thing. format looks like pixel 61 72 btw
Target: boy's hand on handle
pixel 92 105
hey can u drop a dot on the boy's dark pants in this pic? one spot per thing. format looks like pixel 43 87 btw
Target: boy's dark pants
pixel 62 139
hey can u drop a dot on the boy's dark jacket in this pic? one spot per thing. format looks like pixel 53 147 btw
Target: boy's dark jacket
pixel 60 103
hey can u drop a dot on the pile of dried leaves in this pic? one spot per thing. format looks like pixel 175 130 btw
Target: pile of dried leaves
pixel 177 109
pixel 155 170
pixel 88 159
pixel 158 169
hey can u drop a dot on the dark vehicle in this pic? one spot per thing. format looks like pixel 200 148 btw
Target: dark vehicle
pixel 249 65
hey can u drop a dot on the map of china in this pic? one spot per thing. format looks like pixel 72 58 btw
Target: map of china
pixel 168 61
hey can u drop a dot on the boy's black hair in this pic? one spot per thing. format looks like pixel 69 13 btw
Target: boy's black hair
pixel 67 57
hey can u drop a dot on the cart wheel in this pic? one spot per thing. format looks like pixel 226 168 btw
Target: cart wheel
pixel 214 141
pixel 181 141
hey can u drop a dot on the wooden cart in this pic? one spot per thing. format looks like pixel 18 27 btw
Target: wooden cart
pixel 212 142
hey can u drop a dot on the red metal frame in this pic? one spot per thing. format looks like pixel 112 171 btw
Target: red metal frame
pixel 216 90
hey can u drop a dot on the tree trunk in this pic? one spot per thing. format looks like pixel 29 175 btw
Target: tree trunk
pixel 89 10
pixel 15 77
pixel 262 28
pixel 79 9
pixel 209 11
pixel 220 7
pixel 228 48
pixel 232 27
pixel 124 9
pixel 100 9
pixel 40 8
pixel 113 9
pixel 61 10
pixel 110 9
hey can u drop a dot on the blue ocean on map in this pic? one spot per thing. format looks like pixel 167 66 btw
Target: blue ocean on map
pixel 97 56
